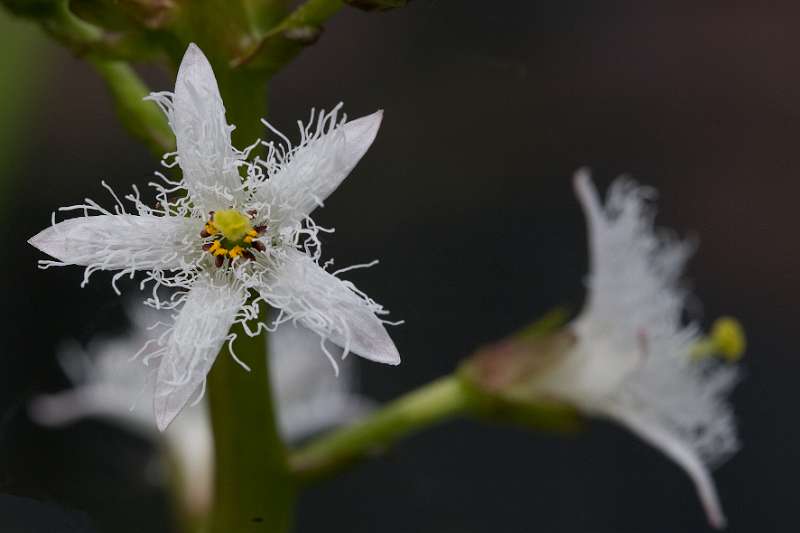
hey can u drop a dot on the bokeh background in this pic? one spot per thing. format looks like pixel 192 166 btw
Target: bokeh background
pixel 466 199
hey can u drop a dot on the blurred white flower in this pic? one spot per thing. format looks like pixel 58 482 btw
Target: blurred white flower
pixel 309 396
pixel 218 237
pixel 633 359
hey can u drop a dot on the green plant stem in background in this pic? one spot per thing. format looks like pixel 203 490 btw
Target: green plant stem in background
pixel 277 47
pixel 433 403
pixel 144 120
pixel 254 491
pixel 22 66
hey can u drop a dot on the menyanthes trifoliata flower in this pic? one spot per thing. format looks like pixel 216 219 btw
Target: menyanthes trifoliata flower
pixel 107 385
pixel 231 234
pixel 629 356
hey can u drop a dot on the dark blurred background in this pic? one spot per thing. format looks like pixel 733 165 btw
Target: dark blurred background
pixel 466 199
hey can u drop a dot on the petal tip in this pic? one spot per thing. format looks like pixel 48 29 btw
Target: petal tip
pixel 45 243
pixel 388 355
pixel 193 52
pixel 195 66
pixel 164 417
pixel 35 240
pixel 582 179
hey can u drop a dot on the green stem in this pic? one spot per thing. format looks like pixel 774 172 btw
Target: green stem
pixel 254 492
pixel 433 403
pixel 283 42
pixel 144 120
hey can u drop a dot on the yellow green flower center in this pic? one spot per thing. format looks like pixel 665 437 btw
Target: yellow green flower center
pixel 233 235
pixel 231 223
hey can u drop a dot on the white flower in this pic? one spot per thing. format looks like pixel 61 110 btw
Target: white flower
pixel 218 237
pixel 632 360
pixel 309 397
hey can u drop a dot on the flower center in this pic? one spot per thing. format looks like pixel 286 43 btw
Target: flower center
pixel 231 223
pixel 233 235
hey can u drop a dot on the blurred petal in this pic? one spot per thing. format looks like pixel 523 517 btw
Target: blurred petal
pixel 330 307
pixel 320 165
pixel 197 116
pixel 191 444
pixel 649 430
pixel 310 397
pixel 197 336
pixel 110 242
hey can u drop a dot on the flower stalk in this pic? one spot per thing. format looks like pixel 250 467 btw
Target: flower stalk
pixel 440 400
pixel 254 492
pixel 142 119
pixel 278 46
pixel 253 489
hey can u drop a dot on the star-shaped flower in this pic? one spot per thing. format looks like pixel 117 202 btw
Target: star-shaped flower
pixel 232 233
pixel 633 359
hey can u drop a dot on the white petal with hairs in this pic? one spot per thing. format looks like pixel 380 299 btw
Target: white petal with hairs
pixel 632 361
pixel 232 227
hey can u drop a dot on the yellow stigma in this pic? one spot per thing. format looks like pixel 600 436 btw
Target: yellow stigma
pixel 727 340
pixel 232 224
pixel 728 337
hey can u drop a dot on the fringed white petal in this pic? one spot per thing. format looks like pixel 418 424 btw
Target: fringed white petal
pixel 680 451
pixel 632 359
pixel 197 116
pixel 200 330
pixel 126 242
pixel 302 178
pixel 310 397
pixel 330 307
pixel 633 271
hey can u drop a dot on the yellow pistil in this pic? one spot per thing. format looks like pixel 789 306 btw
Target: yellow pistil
pixel 727 340
pixel 235 252
pixel 210 228
pixel 232 224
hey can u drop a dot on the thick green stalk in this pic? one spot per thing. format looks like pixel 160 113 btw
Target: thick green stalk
pixel 435 402
pixel 254 491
